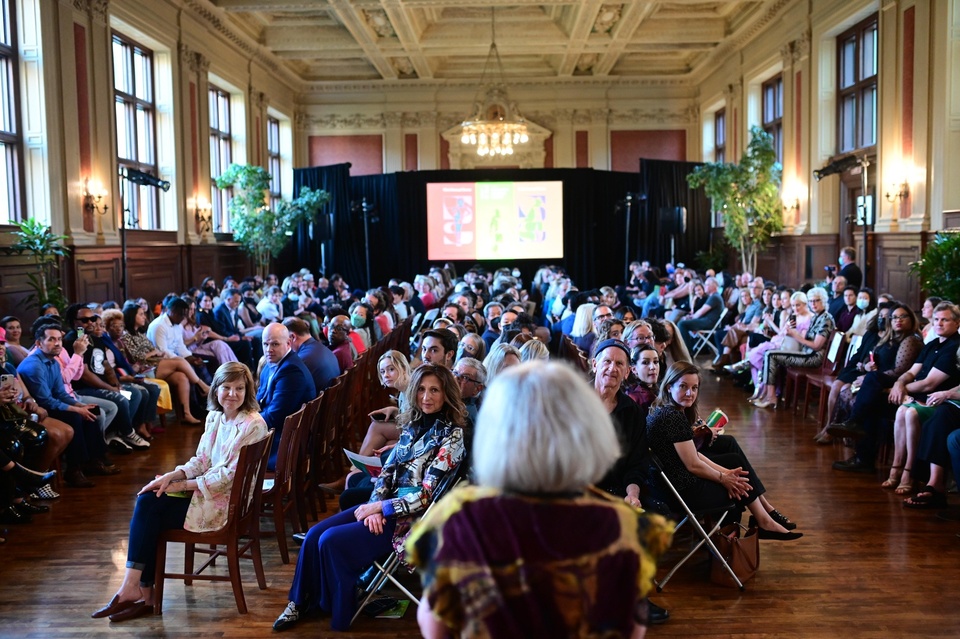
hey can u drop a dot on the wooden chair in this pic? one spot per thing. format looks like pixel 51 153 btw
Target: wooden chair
pixel 279 488
pixel 796 377
pixel 326 456
pixel 828 374
pixel 243 523
pixel 304 488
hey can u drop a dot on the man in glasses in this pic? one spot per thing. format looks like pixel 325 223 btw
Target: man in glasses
pixel 99 384
pixel 472 377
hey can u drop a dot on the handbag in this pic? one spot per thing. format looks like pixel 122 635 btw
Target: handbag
pixel 741 552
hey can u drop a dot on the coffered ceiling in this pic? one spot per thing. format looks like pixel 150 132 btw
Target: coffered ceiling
pixel 418 41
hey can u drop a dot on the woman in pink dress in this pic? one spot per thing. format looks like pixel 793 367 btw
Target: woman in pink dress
pixel 202 341
pixel 801 315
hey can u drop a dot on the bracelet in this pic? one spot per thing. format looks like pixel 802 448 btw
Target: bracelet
pixel 720 472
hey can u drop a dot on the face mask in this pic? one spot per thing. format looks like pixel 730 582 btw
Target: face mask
pixel 880 323
pixel 863 304
pixel 357 320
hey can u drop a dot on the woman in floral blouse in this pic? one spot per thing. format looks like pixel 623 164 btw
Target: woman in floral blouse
pixel 195 495
pixel 338 549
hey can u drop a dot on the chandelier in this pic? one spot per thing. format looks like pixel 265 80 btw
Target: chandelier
pixel 496 124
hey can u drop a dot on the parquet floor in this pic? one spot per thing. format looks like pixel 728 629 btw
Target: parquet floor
pixel 865 567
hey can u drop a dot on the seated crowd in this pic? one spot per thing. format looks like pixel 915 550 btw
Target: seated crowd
pixel 239 357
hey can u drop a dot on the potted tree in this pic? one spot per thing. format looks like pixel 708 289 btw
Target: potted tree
pixel 747 196
pixel 45 249
pixel 939 266
pixel 261 232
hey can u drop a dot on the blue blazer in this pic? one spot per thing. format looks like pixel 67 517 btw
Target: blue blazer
pixel 321 362
pixel 224 315
pixel 283 390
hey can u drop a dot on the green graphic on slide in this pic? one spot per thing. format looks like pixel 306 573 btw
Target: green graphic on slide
pixel 493 200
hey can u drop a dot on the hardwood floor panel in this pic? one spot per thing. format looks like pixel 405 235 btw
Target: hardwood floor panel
pixel 866 567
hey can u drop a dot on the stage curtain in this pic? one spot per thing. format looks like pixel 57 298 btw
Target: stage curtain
pixel 664 182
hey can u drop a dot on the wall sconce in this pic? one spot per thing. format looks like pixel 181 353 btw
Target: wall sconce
pixel 898 192
pixel 93 200
pixel 203 214
pixel 792 206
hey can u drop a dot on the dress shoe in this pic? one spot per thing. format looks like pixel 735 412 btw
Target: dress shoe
pixel 99 467
pixel 138 609
pixel 656 614
pixel 854 465
pixel 114 606
pixel 849 428
pixel 778 536
pixel 10 515
pixel 31 478
pixel 76 479
pixel 26 508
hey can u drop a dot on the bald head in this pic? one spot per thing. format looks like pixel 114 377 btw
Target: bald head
pixel 276 342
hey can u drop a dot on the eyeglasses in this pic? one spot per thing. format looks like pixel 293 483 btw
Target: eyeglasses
pixel 899 318
pixel 603 317
pixel 466 378
pixel 92 318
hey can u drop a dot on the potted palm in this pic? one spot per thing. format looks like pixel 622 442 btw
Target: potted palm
pixel 45 248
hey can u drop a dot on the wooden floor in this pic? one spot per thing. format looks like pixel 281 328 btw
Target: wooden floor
pixel 865 567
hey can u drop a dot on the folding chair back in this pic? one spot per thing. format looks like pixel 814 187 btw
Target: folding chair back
pixel 705 337
pixel 686 514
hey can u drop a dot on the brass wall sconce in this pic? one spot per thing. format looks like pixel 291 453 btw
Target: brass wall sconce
pixel 203 214
pixel 792 206
pixel 94 195
pixel 898 192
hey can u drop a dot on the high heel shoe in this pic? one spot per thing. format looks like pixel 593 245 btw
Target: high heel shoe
pixel 894 479
pixel 31 478
pixel 765 403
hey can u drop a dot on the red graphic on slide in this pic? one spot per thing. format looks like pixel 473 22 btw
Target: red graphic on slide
pixel 457 220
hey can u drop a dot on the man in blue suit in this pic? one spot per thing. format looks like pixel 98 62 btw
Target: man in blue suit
pixel 319 360
pixel 228 315
pixel 285 383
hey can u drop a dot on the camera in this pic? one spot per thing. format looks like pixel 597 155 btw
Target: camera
pixel 830 268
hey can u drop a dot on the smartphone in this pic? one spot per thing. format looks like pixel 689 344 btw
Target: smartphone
pixel 6 381
pixel 95 410
pixel 79 333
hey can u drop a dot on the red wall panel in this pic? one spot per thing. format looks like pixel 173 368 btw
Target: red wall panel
pixel 364 152
pixel 627 147
pixel 583 150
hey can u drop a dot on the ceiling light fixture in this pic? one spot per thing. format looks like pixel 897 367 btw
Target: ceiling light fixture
pixel 496 125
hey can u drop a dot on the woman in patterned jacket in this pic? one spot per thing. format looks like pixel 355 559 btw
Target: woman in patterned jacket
pixel 338 549
pixel 193 496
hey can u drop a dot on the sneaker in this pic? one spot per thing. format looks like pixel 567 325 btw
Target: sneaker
pixel 45 492
pixel 134 440
pixel 288 617
pixel 118 446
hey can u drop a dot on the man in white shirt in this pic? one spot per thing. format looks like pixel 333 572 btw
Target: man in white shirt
pixel 166 333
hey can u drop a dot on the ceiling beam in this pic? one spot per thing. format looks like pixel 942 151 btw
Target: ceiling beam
pixel 352 19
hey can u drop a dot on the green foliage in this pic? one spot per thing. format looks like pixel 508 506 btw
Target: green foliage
pixel 747 195
pixel 261 232
pixel 939 266
pixel 45 249
pixel 716 258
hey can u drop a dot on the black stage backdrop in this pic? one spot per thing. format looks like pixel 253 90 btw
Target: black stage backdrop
pixel 665 184
pixel 594 221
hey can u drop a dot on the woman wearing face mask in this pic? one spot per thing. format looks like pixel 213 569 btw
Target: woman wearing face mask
pixel 840 400
pixel 361 315
pixel 706 481
pixel 867 305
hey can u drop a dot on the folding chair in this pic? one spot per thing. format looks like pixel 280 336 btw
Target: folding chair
pixel 705 337
pixel 676 503
pixel 389 566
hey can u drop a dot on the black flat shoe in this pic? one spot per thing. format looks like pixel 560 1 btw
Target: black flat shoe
pixel 777 517
pixel 778 536
pixel 656 614
pixel 10 515
pixel 31 478
pixel 26 508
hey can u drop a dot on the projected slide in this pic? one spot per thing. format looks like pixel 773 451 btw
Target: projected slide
pixel 494 220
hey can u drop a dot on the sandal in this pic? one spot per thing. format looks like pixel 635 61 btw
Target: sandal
pixel 928 498
pixel 906 486
pixel 894 479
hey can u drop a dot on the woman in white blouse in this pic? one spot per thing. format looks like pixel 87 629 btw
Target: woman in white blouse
pixel 194 496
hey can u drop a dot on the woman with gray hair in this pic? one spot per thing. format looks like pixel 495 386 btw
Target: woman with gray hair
pixel 813 346
pixel 602 551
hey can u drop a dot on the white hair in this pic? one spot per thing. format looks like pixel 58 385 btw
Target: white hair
pixel 531 438
pixel 817 292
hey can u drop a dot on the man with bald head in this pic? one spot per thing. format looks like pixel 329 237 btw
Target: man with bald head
pixel 285 383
